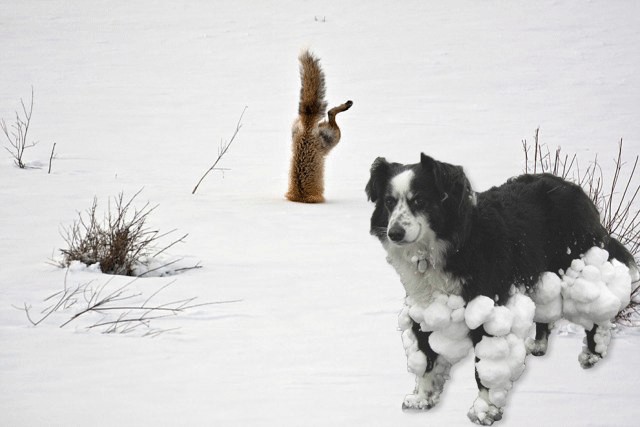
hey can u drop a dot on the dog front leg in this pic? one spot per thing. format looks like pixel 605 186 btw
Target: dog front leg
pixel 431 369
pixel 498 337
pixel 429 387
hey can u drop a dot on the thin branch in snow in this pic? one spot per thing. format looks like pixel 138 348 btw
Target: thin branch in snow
pixel 53 149
pixel 222 150
pixel 121 311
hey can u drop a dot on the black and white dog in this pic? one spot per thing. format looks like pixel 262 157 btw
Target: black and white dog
pixel 480 269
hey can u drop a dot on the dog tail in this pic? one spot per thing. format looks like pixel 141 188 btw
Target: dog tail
pixel 618 251
pixel 312 105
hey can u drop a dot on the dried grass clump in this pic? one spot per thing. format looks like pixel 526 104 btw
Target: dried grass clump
pixel 119 242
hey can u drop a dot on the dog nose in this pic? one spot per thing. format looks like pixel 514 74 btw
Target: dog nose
pixel 396 233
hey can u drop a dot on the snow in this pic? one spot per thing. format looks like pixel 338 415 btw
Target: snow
pixel 500 322
pixel 547 298
pixel 139 95
pixel 594 289
pixel 523 309
pixel 478 311
pixel 449 336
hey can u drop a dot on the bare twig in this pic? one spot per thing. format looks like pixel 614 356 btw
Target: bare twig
pixel 221 151
pixel 53 149
pixel 17 134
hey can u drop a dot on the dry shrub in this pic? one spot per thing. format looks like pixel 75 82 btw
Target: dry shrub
pixel 616 199
pixel 119 242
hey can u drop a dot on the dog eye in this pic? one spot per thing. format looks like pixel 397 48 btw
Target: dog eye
pixel 419 202
pixel 389 202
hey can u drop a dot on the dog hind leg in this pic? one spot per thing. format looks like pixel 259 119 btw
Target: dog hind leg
pixel 538 346
pixel 597 343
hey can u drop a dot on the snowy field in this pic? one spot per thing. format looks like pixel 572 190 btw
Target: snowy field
pixel 138 95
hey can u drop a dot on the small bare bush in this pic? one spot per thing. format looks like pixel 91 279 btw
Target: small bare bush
pixel 17 133
pixel 616 199
pixel 120 242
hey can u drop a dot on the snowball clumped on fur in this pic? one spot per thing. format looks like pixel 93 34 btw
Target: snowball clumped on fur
pixel 478 311
pixel 501 357
pixel 547 298
pixel 443 316
pixel 594 289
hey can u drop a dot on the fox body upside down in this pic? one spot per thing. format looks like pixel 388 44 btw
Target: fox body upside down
pixel 312 137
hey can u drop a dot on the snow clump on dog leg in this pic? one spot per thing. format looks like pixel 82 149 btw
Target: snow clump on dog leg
pixel 416 360
pixel 450 335
pixel 501 358
pixel 594 290
pixel 428 388
pixel 500 322
pixel 449 338
pixel 478 311
pixel 548 299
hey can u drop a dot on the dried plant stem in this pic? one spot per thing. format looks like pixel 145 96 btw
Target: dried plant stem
pixel 53 149
pixel 17 134
pixel 224 147
pixel 121 313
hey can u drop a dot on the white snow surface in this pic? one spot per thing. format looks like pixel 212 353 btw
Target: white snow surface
pixel 139 95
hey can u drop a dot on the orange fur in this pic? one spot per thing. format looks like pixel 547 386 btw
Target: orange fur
pixel 312 139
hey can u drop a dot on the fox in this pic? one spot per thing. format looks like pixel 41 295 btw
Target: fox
pixel 312 138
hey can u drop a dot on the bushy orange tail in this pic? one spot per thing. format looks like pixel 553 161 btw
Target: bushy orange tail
pixel 312 105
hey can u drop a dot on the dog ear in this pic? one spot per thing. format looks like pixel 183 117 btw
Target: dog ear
pixel 437 171
pixel 427 162
pixel 380 171
pixel 448 179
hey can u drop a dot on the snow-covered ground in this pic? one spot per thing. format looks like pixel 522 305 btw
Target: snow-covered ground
pixel 140 94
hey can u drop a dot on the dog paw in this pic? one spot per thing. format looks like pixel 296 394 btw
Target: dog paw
pixel 536 347
pixel 588 359
pixel 420 402
pixel 484 413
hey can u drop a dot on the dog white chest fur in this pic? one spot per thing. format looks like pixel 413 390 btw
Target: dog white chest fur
pixel 418 255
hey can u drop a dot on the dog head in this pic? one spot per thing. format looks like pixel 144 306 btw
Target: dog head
pixel 427 204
